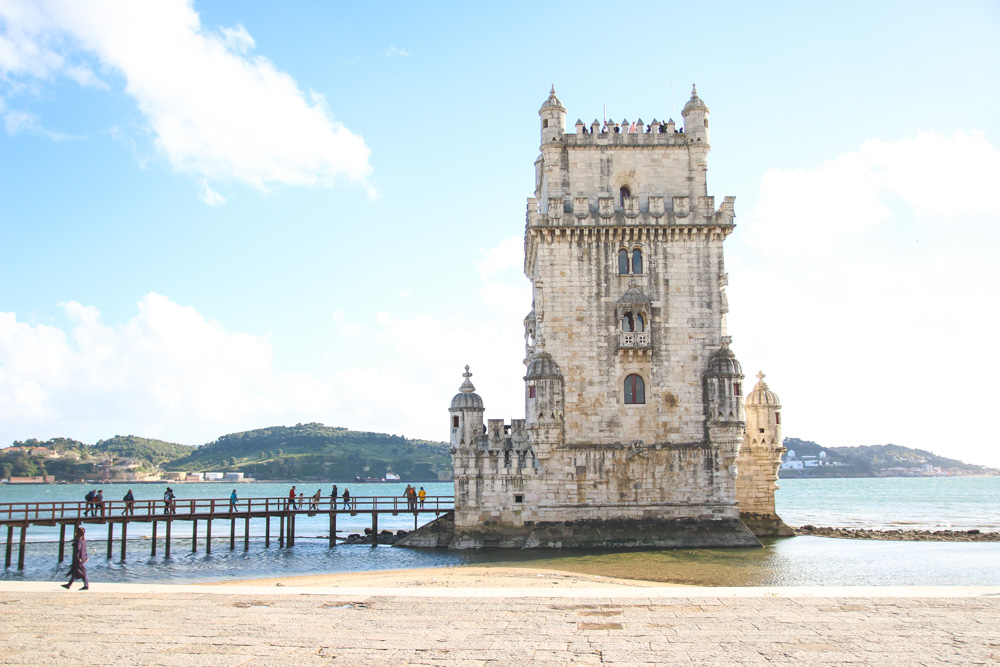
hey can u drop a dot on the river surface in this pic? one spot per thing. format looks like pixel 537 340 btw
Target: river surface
pixel 959 503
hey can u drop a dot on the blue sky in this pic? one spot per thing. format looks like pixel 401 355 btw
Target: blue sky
pixel 221 216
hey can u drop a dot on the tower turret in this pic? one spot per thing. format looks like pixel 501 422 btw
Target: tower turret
pixel 758 462
pixel 553 118
pixel 466 414
pixel 695 115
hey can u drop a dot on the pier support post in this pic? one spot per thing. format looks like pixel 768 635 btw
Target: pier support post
pixel 267 531
pixel 152 550
pixel 291 531
pixel 10 543
pixel 333 528
pixel 194 535
pixel 374 528
pixel 62 542
pixel 20 548
pixel 111 536
pixel 166 545
pixel 246 533
pixel 124 538
pixel 232 533
pixel 208 536
pixel 281 531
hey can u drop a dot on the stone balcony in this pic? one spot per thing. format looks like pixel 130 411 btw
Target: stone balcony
pixel 635 340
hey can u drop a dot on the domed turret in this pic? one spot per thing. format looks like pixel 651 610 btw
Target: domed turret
pixel 762 396
pixel 542 366
pixel 724 386
pixel 466 414
pixel 543 390
pixel 695 115
pixel 553 118
pixel 724 364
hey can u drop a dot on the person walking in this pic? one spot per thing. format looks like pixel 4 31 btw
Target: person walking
pixel 422 494
pixel 347 498
pixel 168 501
pixel 333 498
pixel 89 498
pixel 129 503
pixel 232 501
pixel 314 505
pixel 99 502
pixel 406 494
pixel 291 499
pixel 78 569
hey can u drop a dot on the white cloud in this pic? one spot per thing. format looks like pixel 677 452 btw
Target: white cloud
pixel 507 255
pixel 393 51
pixel 937 177
pixel 867 307
pixel 168 372
pixel 210 196
pixel 17 121
pixel 214 109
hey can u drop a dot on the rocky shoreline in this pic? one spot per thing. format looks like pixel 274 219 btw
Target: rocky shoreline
pixel 973 535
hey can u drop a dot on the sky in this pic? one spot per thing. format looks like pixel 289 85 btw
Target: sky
pixel 230 215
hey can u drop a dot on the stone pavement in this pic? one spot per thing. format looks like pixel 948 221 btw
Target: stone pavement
pixel 122 624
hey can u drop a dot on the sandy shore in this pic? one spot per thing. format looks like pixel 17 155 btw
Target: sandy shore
pixel 451 577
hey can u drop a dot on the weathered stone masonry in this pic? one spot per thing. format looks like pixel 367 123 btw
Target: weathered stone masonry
pixel 634 408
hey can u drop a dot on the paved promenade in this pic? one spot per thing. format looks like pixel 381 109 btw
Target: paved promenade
pixel 135 624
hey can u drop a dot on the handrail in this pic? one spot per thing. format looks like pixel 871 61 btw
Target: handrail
pixel 70 511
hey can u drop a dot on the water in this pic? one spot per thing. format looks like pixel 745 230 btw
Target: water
pixel 925 503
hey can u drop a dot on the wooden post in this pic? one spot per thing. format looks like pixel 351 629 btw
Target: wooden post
pixel 124 538
pixel 20 548
pixel 246 533
pixel 232 533
pixel 62 542
pixel 152 550
pixel 291 530
pixel 194 535
pixel 166 546
pixel 333 528
pixel 374 528
pixel 10 543
pixel 267 530
pixel 208 535
pixel 281 532
pixel 111 535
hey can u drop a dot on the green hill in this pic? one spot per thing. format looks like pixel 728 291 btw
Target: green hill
pixel 318 452
pixel 869 460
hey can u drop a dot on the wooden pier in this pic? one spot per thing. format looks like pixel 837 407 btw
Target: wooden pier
pixel 160 513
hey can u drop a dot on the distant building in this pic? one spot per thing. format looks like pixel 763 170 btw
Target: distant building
pixel 194 477
pixel 233 476
pixel 213 476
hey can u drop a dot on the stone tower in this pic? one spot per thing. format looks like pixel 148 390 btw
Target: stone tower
pixel 758 462
pixel 634 413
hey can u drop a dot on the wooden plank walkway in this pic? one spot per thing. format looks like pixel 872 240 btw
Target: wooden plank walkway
pixel 120 513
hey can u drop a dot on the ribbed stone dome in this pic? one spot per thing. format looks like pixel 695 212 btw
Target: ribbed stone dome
pixel 542 366
pixel 467 397
pixel 762 396
pixel 553 101
pixel 724 363
pixel 695 102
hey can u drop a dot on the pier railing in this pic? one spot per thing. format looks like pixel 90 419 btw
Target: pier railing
pixel 73 511
pixel 121 513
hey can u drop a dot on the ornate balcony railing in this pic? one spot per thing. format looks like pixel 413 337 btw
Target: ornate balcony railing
pixel 632 340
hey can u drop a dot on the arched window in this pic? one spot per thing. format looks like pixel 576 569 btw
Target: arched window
pixel 623 262
pixel 628 323
pixel 637 261
pixel 635 390
pixel 640 323
pixel 624 192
